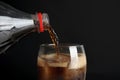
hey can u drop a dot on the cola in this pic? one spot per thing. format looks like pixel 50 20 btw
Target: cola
pixel 58 65
pixel 50 68
pixel 54 38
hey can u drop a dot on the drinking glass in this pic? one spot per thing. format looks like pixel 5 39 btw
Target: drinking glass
pixel 66 62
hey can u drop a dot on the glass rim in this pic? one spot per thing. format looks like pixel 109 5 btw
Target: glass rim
pixel 62 44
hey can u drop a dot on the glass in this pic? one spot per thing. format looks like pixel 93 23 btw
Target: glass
pixel 69 64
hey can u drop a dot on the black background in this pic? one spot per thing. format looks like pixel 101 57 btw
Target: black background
pixel 91 23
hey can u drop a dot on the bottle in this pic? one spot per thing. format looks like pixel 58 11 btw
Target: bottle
pixel 15 24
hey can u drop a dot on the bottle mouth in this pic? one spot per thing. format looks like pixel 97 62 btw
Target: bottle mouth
pixel 45 19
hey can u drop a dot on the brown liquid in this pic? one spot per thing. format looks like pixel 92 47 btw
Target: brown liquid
pixel 54 38
pixel 53 35
pixel 51 69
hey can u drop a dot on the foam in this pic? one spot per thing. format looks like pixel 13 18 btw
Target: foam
pixel 51 61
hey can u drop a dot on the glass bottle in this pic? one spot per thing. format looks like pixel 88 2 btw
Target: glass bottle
pixel 15 24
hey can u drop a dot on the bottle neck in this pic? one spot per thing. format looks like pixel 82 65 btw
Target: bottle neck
pixel 41 21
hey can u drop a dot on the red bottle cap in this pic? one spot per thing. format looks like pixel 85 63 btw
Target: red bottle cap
pixel 41 28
